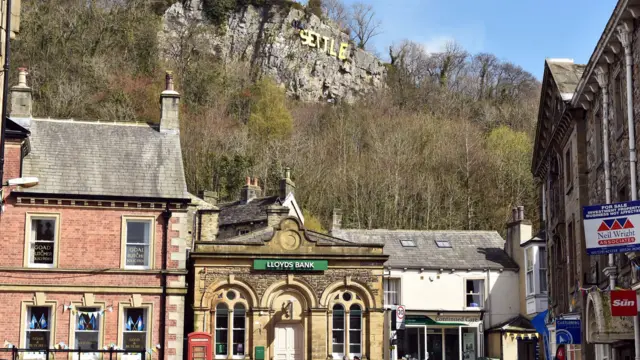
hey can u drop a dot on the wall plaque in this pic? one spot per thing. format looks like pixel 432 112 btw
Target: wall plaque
pixel 135 340
pixel 38 340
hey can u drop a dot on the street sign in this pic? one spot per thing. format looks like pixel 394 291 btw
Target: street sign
pixel 568 331
pixel 400 316
pixel 624 303
pixel 611 228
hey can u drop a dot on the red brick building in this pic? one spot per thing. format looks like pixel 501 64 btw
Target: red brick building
pixel 94 256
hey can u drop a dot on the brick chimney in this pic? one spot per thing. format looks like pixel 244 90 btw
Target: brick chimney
pixel 209 196
pixel 336 224
pixel 286 184
pixel 21 100
pixel 251 190
pixel 169 107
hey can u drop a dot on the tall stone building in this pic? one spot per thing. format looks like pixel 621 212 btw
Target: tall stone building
pixel 582 152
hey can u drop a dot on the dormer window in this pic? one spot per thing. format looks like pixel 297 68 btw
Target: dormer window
pixel 536 267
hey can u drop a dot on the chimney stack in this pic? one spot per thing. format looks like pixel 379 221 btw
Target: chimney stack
pixel 250 191
pixel 286 184
pixel 336 224
pixel 169 107
pixel 21 100
pixel 209 196
pixel 275 214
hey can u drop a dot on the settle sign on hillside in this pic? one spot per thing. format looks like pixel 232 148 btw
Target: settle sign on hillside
pixel 611 228
pixel 290 265
pixel 315 40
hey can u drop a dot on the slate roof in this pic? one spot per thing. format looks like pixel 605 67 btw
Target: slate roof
pixel 265 234
pixel 237 212
pixel 516 323
pixel 104 159
pixel 566 74
pixel 469 249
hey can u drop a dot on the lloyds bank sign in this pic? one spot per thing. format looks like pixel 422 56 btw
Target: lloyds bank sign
pixel 290 265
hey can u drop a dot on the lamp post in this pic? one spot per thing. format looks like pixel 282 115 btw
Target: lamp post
pixel 24 182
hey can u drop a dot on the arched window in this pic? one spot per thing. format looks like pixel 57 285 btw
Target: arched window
pixel 239 325
pixel 338 331
pixel 222 330
pixel 355 330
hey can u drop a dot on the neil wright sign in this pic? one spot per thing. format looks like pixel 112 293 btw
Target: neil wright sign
pixel 611 228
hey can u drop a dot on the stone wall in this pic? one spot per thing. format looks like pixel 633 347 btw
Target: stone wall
pixel 310 68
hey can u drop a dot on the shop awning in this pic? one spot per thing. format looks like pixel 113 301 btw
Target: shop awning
pixel 425 320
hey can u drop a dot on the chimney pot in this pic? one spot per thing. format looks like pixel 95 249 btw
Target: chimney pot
pixel 21 98
pixel 250 190
pixel 169 107
pixel 255 181
pixel 514 214
pixel 248 180
pixel 168 79
pixel 336 224
pixel 520 212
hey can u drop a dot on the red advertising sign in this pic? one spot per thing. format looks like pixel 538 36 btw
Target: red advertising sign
pixel 624 303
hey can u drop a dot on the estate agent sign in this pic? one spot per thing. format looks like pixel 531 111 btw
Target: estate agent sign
pixel 611 228
pixel 290 265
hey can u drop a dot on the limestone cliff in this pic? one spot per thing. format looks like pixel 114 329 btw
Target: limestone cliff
pixel 311 59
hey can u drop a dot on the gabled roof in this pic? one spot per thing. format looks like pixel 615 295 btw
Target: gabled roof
pixel 566 75
pixel 539 238
pixel 238 212
pixel 15 130
pixel 469 249
pixel 262 235
pixel 517 323
pixel 104 159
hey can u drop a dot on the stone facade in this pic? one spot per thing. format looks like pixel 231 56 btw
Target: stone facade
pixel 267 39
pixel 352 280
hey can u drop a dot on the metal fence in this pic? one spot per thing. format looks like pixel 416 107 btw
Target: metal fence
pixel 75 354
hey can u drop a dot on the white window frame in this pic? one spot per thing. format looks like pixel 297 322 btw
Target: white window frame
pixel 341 355
pixel 30 238
pixel 349 342
pixel 232 315
pixel 483 294
pixel 530 257
pixel 541 269
pixel 387 291
pixel 147 325
pixel 50 324
pixel 603 352
pixel 74 329
pixel 215 330
pixel 150 245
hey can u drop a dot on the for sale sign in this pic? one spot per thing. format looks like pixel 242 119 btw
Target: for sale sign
pixel 624 303
pixel 611 228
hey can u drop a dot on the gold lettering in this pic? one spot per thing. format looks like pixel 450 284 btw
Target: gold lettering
pixel 305 37
pixel 326 39
pixel 342 54
pixel 313 36
pixel 331 52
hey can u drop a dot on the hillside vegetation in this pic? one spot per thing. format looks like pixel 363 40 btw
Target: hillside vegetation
pixel 447 144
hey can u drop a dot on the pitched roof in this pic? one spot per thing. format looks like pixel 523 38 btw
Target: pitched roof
pixel 238 212
pixel 516 323
pixel 566 75
pixel 15 130
pixel 104 159
pixel 469 249
pixel 265 234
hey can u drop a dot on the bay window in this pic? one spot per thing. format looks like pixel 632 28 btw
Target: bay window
pixel 530 265
pixel 391 291
pixel 542 261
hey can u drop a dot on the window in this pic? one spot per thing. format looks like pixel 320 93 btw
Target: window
pixel 242 232
pixel 567 168
pixel 134 336
pixel 408 243
pixel 138 240
pixel 338 331
pixel 443 243
pixel 530 264
pixel 618 98
pixel 355 330
pixel 42 241
pixel 542 268
pixel 239 325
pixel 602 352
pixel 391 292
pixel 222 330
pixel 38 327
pixel 87 336
pixel 475 293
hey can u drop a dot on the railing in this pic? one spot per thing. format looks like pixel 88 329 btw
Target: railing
pixel 76 354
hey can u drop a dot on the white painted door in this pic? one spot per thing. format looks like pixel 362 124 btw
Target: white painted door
pixel 288 342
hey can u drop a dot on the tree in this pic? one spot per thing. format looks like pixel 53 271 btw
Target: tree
pixel 269 119
pixel 336 11
pixel 363 23
pixel 315 7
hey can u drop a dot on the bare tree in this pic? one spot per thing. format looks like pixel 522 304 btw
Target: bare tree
pixel 363 23
pixel 337 12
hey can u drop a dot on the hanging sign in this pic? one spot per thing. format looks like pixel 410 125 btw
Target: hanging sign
pixel 610 228
pixel 568 331
pixel 624 303
pixel 400 316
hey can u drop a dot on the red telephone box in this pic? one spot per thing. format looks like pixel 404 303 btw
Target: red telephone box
pixel 199 346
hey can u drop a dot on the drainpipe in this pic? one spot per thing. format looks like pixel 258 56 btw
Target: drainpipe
pixel 5 85
pixel 624 35
pixel 166 216
pixel 602 75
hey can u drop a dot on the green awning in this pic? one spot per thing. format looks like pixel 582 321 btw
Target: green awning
pixel 425 320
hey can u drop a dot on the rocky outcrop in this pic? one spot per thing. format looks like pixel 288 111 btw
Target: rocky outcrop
pixel 311 59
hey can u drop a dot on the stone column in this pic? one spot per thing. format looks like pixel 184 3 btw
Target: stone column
pixel 199 319
pixel 376 334
pixel 318 335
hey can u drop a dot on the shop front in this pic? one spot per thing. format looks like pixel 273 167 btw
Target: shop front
pixel 287 293
pixel 439 337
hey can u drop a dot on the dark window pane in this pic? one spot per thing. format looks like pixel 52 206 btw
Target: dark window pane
pixel 44 229
pixel 221 342
pixel 39 319
pixel 354 348
pixel 88 319
pixel 37 340
pixel 135 320
pixel 134 340
pixel 238 342
pixel 88 340
pixel 338 348
pixel 137 232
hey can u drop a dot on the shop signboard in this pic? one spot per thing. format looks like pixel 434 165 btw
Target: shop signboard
pixel 568 331
pixel 610 228
pixel 290 265
pixel 624 303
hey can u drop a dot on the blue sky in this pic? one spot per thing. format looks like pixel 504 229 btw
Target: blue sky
pixel 523 32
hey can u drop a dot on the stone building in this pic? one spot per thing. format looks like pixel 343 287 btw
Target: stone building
pixel 585 110
pixel 275 290
pixel 94 256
